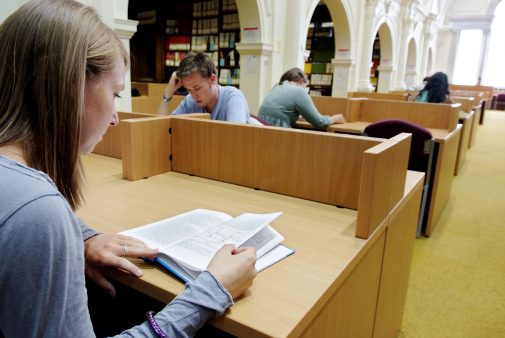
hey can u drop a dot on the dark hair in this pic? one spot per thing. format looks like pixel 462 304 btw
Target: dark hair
pixel 196 62
pixel 294 75
pixel 49 50
pixel 437 87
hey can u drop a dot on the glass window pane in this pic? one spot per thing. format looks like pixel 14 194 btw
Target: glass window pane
pixel 468 56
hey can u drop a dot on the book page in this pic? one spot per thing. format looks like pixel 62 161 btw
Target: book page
pixel 273 256
pixel 178 228
pixel 265 240
pixel 197 251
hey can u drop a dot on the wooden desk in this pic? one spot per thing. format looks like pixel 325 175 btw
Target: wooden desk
pixel 357 128
pixel 446 152
pixel 334 285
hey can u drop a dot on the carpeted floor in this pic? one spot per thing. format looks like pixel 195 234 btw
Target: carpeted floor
pixel 457 279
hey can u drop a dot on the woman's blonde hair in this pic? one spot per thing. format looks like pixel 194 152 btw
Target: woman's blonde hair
pixel 49 49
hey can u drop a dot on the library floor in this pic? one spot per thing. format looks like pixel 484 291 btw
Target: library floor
pixel 457 280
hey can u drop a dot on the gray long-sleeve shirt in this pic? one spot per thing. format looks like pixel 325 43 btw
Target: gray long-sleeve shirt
pixel 42 280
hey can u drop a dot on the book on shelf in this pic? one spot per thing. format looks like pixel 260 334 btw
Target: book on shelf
pixel 187 242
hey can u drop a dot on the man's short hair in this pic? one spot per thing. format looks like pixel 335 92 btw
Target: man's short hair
pixel 196 62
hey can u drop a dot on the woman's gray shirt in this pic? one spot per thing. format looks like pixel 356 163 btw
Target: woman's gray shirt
pixel 42 279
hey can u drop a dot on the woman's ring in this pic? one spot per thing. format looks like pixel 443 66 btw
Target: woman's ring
pixel 125 249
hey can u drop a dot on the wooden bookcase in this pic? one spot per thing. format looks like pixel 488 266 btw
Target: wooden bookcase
pixel 167 31
pixel 321 44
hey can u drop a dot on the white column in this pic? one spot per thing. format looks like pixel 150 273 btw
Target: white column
pixel 486 35
pixel 294 45
pixel 342 70
pixel 125 29
pixel 385 78
pixel 255 69
pixel 366 48
pixel 401 76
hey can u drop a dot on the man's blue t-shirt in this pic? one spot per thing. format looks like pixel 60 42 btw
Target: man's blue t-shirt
pixel 231 106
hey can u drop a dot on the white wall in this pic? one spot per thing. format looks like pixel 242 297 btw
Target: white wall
pixel 281 31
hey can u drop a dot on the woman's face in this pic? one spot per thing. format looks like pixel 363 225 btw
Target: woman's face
pixel 100 106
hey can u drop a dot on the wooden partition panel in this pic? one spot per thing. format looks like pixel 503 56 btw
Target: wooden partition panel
pixel 383 176
pixel 328 105
pixel 429 115
pixel 467 122
pixel 150 104
pixel 322 167
pixel 486 90
pixel 380 96
pixel 467 103
pixel 110 145
pixel 146 147
pixel 394 280
pixel 152 89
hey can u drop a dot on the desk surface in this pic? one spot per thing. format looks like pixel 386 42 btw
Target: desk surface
pixel 357 127
pixel 285 297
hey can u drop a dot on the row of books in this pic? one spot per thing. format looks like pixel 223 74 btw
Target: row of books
pixel 321 79
pixel 318 68
pixel 173 59
pixel 201 42
pixel 205 42
pixel 231 22
pixel 205 26
pixel 229 76
pixel 206 8
pixel 229 5
pixel 178 42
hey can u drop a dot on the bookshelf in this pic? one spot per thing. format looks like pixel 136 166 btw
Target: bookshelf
pixel 211 26
pixel 321 45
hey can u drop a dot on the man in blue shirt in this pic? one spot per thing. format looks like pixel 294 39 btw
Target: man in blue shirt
pixel 197 73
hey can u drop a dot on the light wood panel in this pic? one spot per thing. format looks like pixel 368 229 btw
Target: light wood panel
pixel 332 277
pixel 428 115
pixel 444 172
pixel 380 96
pixel 398 250
pixel 322 167
pixel 346 313
pixel 110 145
pixel 475 124
pixel 467 121
pixel 146 147
pixel 150 104
pixel 328 105
pixel 152 89
pixel 467 103
pixel 382 182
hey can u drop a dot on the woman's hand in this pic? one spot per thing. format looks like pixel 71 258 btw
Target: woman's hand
pixel 339 118
pixel 234 268
pixel 112 250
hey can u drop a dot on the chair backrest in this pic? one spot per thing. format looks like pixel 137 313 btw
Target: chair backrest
pixel 419 151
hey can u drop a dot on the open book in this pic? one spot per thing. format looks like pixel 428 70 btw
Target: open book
pixel 187 242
